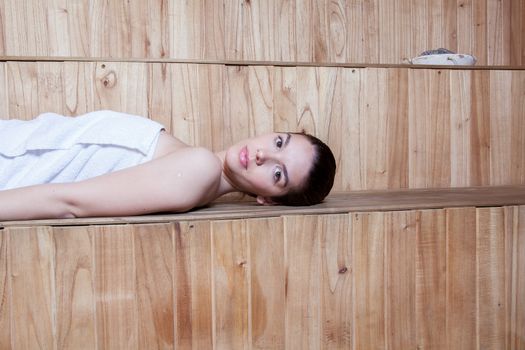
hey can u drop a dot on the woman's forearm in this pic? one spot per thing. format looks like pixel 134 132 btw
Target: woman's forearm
pixel 34 202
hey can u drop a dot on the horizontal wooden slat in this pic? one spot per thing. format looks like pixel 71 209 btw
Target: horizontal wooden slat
pixel 358 201
pixel 256 63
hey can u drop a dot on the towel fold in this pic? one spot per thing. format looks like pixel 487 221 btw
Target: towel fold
pixel 53 148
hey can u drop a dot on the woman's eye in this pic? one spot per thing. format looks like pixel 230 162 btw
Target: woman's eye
pixel 277 174
pixel 279 142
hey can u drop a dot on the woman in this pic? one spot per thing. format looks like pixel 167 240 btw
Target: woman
pixel 107 163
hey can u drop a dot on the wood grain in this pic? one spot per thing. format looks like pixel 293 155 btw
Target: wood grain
pixel 154 258
pixel 302 259
pixel 75 288
pixel 369 283
pixel 400 271
pixel 461 278
pixel 5 292
pixel 336 281
pixel 267 283
pixel 431 279
pixel 491 277
pixel 231 284
pixel 377 31
pixel 193 291
pixel 117 321
pixel 31 255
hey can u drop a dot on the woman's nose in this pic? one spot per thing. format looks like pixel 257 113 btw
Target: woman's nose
pixel 259 157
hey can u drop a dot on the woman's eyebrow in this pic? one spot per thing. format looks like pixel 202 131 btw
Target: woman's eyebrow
pixel 288 136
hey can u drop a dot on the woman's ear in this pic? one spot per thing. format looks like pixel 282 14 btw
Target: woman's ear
pixel 265 200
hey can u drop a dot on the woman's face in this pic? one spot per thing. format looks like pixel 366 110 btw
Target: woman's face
pixel 269 165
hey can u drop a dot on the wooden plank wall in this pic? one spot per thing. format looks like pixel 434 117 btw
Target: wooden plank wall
pixel 390 128
pixel 359 31
pixel 426 279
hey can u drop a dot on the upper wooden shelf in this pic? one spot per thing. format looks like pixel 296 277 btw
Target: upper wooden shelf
pixel 359 201
pixel 252 63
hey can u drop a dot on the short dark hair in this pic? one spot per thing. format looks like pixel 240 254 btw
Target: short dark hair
pixel 320 178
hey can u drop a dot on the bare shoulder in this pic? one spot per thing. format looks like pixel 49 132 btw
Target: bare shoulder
pixel 196 171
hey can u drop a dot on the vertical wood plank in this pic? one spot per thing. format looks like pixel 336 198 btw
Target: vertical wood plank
pixel 32 282
pixel 500 127
pixel 331 117
pixel 302 259
pixel 308 109
pixel 115 287
pixel 285 36
pixel 479 42
pixel 160 96
pixel 233 36
pixel 285 98
pixel 57 25
pixel 498 32
pixel 516 326
pixel 337 25
pixel 304 30
pixel 154 270
pixel 236 106
pixel 78 87
pixel 267 280
pixel 50 87
pixel 26 28
pixel 22 80
pixel 464 26
pixel 193 286
pixel 125 29
pixel 355 31
pixel 186 25
pixel 352 164
pixel 429 128
pixel 491 256
pixel 436 24
pixel 419 27
pixel 461 278
pixel 480 129
pixel 431 279
pixel 5 291
pixel 368 252
pixel 75 290
pixel 4 92
pixel 517 25
pixel 460 128
pixel 336 281
pixel 387 30
pixel 450 24
pixel 258 30
pixel 383 123
pixel 371 38
pixel 231 285
pixel 517 128
pixel 121 86
pixel 260 87
pixel 400 264
pixel 184 109
pixel 211 106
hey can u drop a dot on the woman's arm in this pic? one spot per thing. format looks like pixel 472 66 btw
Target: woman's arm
pixel 176 182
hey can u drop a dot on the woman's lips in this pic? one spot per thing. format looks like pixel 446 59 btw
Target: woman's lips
pixel 243 157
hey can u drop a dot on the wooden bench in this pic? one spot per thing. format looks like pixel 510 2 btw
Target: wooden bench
pixel 408 268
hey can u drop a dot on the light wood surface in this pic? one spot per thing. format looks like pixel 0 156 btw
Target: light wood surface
pixel 361 31
pixel 429 278
pixel 423 128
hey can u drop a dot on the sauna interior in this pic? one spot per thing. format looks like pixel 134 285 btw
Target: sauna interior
pixel 421 244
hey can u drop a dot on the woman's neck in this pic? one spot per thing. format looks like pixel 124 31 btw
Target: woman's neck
pixel 225 185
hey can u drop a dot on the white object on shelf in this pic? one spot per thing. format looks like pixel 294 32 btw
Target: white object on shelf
pixel 445 59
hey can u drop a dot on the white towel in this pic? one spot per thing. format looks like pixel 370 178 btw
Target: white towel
pixel 53 148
